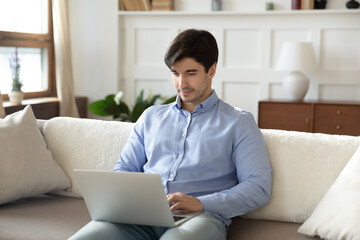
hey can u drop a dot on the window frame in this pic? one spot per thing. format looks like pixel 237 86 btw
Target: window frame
pixel 35 40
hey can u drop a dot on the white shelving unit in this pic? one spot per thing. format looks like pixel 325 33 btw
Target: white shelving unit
pixel 236 13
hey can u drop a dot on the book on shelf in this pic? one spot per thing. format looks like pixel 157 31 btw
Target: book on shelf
pixel 307 4
pixel 302 4
pixel 135 5
pixel 162 5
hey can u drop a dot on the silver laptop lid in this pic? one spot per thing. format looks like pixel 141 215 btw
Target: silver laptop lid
pixel 124 197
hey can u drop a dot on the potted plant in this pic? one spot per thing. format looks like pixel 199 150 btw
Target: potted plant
pixel 113 106
pixel 15 95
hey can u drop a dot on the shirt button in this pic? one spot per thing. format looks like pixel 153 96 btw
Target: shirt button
pixel 179 156
pixel 171 175
pixel 183 135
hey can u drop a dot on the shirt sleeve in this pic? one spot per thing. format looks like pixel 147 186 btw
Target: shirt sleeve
pixel 133 157
pixel 253 172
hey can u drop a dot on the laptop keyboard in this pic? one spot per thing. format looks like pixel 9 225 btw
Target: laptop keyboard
pixel 177 218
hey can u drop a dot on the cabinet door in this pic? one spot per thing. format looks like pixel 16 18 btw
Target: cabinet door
pixel 337 119
pixel 286 116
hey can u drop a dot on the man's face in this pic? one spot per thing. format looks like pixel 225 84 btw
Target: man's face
pixel 192 82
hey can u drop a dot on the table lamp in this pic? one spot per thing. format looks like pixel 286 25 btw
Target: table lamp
pixel 296 57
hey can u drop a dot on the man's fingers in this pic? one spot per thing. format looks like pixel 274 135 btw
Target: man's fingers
pixel 173 197
pixel 181 201
pixel 175 206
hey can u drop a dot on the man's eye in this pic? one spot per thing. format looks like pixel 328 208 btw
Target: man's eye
pixel 175 73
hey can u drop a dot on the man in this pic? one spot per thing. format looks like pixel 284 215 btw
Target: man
pixel 210 156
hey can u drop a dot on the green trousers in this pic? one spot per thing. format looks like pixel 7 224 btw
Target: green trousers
pixel 204 226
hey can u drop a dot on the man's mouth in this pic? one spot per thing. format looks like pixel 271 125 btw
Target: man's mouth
pixel 186 91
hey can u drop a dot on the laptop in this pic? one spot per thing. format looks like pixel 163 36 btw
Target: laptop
pixel 128 197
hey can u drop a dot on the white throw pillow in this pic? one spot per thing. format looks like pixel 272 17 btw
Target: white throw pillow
pixel 26 165
pixel 337 216
pixel 85 144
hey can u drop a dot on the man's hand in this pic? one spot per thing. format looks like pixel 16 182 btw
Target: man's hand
pixel 181 201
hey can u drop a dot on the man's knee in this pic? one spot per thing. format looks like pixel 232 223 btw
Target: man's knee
pixel 204 226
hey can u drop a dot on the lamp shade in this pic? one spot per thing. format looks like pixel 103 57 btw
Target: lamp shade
pixel 297 56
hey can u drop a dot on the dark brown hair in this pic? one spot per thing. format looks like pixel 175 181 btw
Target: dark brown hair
pixel 192 43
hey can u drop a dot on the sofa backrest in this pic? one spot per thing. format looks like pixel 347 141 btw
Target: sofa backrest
pixel 304 167
pixel 304 164
pixel 85 144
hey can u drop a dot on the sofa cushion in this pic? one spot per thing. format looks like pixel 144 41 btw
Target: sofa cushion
pixel 249 229
pixel 85 144
pixel 26 165
pixel 44 217
pixel 304 167
pixel 338 214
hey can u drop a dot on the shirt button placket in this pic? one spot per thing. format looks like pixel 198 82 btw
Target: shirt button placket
pixel 181 149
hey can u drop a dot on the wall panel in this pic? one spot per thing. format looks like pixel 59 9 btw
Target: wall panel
pixel 242 48
pixel 249 45
pixel 340 49
pixel 242 95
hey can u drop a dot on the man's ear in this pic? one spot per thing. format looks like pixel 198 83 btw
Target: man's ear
pixel 212 70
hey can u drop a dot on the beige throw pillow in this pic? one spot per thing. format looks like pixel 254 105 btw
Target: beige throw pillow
pixel 337 216
pixel 26 165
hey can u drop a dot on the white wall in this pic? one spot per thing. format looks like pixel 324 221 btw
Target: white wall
pixel 94 45
pixel 113 51
pixel 249 45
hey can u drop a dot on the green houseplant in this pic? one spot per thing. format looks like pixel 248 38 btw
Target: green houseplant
pixel 15 95
pixel 113 106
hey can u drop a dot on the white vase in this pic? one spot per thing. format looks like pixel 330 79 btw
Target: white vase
pixel 16 97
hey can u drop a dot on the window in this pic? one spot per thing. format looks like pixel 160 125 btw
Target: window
pixel 26 25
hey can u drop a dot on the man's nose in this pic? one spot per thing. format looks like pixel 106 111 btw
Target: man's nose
pixel 182 81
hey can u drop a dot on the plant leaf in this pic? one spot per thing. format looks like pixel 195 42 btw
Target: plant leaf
pixel 110 98
pixel 139 108
pixel 98 108
pixel 170 100
pixel 140 97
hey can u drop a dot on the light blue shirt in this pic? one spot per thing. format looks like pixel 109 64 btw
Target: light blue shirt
pixel 216 153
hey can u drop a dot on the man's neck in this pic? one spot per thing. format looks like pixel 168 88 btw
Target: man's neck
pixel 188 106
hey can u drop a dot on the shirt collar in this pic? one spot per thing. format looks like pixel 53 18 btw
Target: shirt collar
pixel 203 106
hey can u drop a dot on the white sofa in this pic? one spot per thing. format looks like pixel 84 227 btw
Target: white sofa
pixel 305 167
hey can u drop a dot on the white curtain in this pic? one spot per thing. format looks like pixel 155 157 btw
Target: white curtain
pixel 64 79
pixel 2 110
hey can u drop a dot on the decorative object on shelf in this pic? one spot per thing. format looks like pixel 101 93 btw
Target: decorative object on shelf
pixel 352 4
pixel 320 4
pixel 15 95
pixel 296 57
pixel 216 5
pixel 269 6
pixel 113 105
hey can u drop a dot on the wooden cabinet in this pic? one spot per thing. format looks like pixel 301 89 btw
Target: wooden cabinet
pixel 313 116
pixel 282 115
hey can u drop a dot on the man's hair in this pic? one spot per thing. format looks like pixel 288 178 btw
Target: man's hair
pixel 192 43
